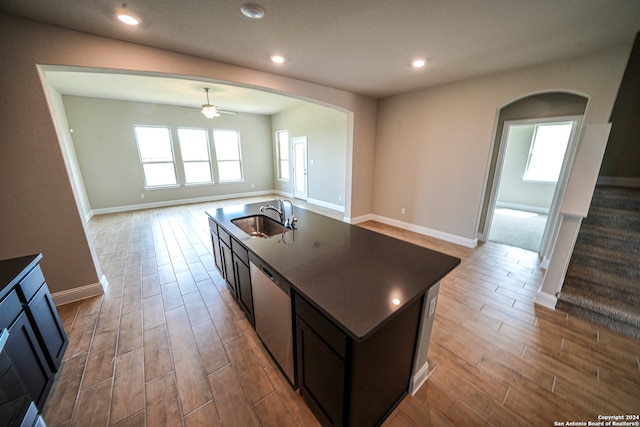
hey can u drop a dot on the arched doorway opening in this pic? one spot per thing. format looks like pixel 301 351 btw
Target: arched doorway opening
pixel 520 155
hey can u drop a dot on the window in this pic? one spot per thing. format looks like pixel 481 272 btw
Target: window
pixel 194 147
pixel 546 154
pixel 227 144
pixel 283 154
pixel 156 155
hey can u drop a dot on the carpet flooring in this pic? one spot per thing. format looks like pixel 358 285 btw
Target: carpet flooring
pixel 518 228
pixel 602 283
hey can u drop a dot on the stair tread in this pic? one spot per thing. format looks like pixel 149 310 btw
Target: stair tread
pixel 615 309
pixel 596 277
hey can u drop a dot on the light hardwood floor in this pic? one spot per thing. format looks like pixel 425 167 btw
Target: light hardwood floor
pixel 167 345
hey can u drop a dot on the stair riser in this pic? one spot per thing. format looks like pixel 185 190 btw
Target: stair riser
pixel 577 284
pixel 628 271
pixel 627 244
pixel 617 198
pixel 608 218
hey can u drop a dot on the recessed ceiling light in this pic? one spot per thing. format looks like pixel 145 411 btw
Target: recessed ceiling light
pixel 128 19
pixel 418 63
pixel 252 11
pixel 126 16
pixel 277 59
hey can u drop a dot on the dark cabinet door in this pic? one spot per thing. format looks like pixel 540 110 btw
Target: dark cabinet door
pixel 227 262
pixel 217 257
pixel 47 327
pixel 243 286
pixel 321 375
pixel 25 353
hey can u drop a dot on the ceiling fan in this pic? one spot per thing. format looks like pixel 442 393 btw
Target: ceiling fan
pixel 210 111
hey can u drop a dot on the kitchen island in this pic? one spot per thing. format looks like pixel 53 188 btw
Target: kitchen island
pixel 361 307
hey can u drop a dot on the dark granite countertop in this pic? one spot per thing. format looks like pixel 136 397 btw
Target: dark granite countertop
pixel 10 270
pixel 351 274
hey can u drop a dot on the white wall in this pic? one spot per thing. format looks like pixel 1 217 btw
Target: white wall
pixel 326 132
pixel 433 146
pixel 107 153
pixel 515 191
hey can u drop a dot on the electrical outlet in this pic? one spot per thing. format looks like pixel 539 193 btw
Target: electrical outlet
pixel 402 211
pixel 432 307
pixel 142 196
pixel 340 197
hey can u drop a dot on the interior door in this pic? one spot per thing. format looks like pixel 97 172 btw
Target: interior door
pixel 299 145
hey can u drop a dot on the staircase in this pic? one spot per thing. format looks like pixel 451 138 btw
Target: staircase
pixel 602 283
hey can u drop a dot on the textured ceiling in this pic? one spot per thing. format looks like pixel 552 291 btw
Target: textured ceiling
pixel 363 46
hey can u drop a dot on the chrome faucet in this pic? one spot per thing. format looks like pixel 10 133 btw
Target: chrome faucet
pixel 291 221
pixel 279 210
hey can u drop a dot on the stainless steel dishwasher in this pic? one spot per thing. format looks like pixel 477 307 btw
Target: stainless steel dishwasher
pixel 272 314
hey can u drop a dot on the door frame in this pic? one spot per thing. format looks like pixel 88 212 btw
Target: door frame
pixel 300 141
pixel 548 236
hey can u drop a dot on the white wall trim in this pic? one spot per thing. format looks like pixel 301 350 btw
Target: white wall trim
pixel 618 181
pixel 452 238
pixel 177 202
pixel 80 293
pixel 546 300
pixel 358 219
pixel 520 207
pixel 419 378
pixel 327 205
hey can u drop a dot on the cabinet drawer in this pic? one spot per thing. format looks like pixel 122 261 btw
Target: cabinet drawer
pixel 224 236
pixel 31 283
pixel 213 226
pixel 10 309
pixel 240 251
pixel 322 326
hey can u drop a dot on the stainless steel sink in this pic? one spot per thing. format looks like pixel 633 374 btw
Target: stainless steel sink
pixel 260 226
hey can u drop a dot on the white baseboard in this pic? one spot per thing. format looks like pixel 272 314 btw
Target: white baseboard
pixel 546 300
pixel 452 238
pixel 327 205
pixel 615 181
pixel 359 219
pixel 80 293
pixel 176 202
pixel 520 207
pixel 419 378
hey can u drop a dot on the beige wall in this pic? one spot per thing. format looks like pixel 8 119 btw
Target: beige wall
pixel 326 132
pixel 432 146
pixel 39 211
pixel 106 149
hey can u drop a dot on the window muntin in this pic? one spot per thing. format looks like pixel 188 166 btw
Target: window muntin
pixel 546 154
pixel 227 146
pixel 156 155
pixel 282 138
pixel 196 159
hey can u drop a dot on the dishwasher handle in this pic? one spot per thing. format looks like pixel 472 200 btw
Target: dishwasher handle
pixel 267 272
pixel 274 278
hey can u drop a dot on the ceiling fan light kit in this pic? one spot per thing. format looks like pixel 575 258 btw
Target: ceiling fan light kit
pixel 209 111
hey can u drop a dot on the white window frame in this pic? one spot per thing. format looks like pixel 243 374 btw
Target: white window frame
pixel 239 159
pixel 537 156
pixel 186 162
pixel 280 158
pixel 151 162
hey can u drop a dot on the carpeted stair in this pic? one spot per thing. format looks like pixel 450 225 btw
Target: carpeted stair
pixel 602 283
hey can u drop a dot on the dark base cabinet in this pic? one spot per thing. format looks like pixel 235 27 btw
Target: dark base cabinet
pixel 349 383
pixel 29 361
pixel 232 261
pixel 37 341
